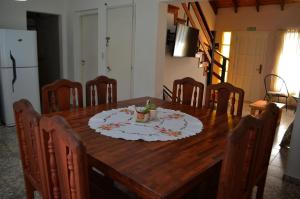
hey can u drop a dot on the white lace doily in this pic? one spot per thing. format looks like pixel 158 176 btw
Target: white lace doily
pixel 169 125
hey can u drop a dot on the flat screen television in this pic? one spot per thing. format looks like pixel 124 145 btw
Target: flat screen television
pixel 186 41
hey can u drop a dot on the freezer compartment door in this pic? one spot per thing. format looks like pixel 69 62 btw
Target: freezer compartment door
pixel 23 46
pixel 26 86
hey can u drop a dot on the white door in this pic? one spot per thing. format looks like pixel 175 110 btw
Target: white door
pixel 247 62
pixel 89 47
pixel 119 48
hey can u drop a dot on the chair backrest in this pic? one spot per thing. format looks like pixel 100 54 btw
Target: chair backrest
pixel 27 126
pixel 223 94
pixel 101 90
pixel 237 166
pixel 275 83
pixel 61 95
pixel 65 161
pixel 188 91
pixel 266 139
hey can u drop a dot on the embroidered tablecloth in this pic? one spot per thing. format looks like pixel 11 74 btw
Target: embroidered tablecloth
pixel 169 125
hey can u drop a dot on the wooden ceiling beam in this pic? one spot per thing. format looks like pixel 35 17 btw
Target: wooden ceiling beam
pixel 214 6
pixel 257 5
pixel 282 4
pixel 235 5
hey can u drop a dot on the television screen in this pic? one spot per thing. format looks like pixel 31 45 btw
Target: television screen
pixel 186 41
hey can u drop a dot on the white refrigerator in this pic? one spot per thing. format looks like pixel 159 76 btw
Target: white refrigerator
pixel 18 71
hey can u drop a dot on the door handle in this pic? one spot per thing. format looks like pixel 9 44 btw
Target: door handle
pixel 108 68
pixel 14 71
pixel 82 62
pixel 259 69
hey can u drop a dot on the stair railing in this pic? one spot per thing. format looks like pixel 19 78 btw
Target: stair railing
pixel 191 20
pixel 167 93
pixel 217 61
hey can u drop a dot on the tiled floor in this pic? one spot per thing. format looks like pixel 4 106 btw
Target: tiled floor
pixel 12 185
pixel 11 176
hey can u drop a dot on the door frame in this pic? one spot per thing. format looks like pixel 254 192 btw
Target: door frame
pixel 63 68
pixel 132 5
pixel 77 41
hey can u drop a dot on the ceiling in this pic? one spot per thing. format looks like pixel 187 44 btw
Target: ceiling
pixel 235 4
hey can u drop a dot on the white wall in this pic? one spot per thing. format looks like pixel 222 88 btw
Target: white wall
pixel 293 159
pixel 269 18
pixel 179 67
pixel 161 45
pixel 146 38
pixel 208 13
pixel 13 16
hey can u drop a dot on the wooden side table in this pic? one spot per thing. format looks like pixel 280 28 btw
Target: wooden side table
pixel 260 105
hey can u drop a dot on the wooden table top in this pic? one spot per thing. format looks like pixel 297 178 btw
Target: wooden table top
pixel 154 169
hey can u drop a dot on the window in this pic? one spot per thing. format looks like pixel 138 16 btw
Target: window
pixel 225 49
pixel 288 65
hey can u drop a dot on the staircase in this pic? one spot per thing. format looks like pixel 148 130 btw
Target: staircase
pixel 216 69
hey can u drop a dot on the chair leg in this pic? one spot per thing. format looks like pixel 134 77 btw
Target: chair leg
pixel 29 189
pixel 261 187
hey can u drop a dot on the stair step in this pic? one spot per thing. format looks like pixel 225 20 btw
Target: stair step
pixel 172 9
pixel 180 21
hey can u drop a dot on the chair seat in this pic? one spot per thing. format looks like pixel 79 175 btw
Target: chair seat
pixel 276 93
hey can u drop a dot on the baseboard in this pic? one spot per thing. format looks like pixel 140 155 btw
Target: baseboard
pixel 291 179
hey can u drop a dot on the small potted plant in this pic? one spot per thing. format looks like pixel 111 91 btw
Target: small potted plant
pixel 152 110
pixel 142 115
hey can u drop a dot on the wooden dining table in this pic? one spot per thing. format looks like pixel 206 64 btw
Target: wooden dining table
pixel 159 169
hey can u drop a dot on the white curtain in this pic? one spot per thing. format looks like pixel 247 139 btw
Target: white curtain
pixel 288 60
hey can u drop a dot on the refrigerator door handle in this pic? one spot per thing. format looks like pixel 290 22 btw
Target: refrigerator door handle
pixel 14 70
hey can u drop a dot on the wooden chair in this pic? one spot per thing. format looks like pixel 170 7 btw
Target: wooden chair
pixel 264 147
pixel 237 166
pixel 27 125
pixel 66 164
pixel 101 90
pixel 246 162
pixel 61 95
pixel 188 91
pixel 223 94
pixel 65 159
pixel 279 91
